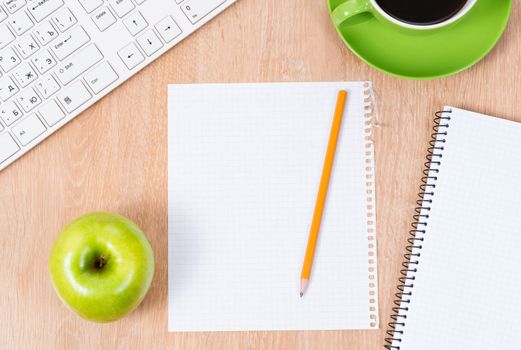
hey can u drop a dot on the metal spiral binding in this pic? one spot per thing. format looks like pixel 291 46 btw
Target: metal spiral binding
pixel 416 235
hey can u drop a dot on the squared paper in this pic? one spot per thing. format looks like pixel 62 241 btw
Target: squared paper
pixel 245 162
pixel 467 288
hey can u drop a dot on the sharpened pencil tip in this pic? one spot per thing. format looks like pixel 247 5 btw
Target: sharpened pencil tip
pixel 303 285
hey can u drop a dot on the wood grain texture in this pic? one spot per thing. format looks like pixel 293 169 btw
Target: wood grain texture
pixel 114 157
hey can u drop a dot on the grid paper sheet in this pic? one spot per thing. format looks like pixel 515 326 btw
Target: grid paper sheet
pixel 467 289
pixel 245 162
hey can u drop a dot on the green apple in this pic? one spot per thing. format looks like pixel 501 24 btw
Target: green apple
pixel 101 266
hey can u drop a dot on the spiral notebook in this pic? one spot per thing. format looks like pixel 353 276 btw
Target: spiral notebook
pixel 461 288
pixel 245 162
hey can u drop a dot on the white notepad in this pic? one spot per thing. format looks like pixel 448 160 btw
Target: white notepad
pixel 466 289
pixel 244 167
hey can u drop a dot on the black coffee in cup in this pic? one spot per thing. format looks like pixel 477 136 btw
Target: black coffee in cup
pixel 421 12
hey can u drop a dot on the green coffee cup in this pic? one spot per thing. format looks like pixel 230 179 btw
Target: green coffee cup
pixel 352 12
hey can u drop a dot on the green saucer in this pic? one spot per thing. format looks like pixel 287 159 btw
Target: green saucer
pixel 428 55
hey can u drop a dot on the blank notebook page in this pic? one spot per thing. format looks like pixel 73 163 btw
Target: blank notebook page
pixel 467 290
pixel 245 162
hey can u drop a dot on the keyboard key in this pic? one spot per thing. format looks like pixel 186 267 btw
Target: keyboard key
pixel 47 86
pixel 43 8
pixel 5 36
pixel 168 29
pixel 3 14
pixel 14 5
pixel 43 61
pixel 121 7
pixel 79 63
pixel 28 99
pixel 74 96
pixel 8 59
pixel 45 33
pixel 64 19
pixel 24 74
pixel 9 112
pixel 26 46
pixel 149 42
pixel 28 129
pixel 103 18
pixel 197 9
pixel 51 113
pixel 7 88
pixel 90 5
pixel 135 23
pixel 100 77
pixel 20 22
pixel 130 55
pixel 71 41
pixel 8 147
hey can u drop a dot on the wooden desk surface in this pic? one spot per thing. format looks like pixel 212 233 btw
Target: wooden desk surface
pixel 114 157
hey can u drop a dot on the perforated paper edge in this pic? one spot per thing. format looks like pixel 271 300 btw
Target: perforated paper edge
pixel 370 184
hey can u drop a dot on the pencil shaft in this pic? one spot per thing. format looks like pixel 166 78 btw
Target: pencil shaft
pixel 324 184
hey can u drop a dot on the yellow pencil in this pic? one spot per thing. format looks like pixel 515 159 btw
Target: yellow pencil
pixel 322 192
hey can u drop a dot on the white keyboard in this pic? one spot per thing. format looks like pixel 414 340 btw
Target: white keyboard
pixel 58 57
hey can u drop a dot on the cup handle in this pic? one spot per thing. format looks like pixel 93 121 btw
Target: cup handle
pixel 349 9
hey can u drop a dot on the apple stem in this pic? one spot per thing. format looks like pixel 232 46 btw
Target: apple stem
pixel 100 262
